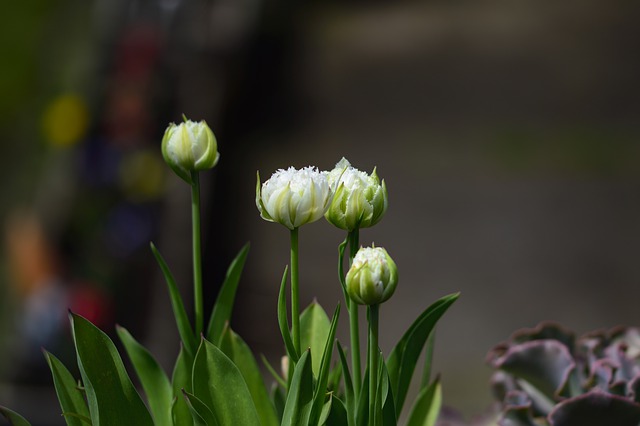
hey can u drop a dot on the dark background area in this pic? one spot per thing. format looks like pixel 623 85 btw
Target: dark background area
pixel 507 133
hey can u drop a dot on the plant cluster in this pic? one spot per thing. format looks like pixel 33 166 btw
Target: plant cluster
pixel 216 380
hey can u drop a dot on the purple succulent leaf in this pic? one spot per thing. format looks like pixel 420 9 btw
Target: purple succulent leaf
pixel 546 330
pixel 451 417
pixel 517 410
pixel 634 389
pixel 626 367
pixel 630 336
pixel 595 408
pixel 544 364
pixel 501 384
pixel 601 375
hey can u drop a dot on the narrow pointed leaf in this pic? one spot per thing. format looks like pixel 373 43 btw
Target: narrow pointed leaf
pixel 218 383
pixel 181 379
pixel 154 380
pixel 112 398
pixel 70 397
pixel 326 409
pixel 427 406
pixel 338 415
pixel 202 415
pixel 314 329
pixel 238 351
pixel 323 376
pixel 223 307
pixel 428 360
pixel 283 322
pixel 179 312
pixel 300 398
pixel 404 356
pixel 278 400
pixel 362 412
pixel 388 407
pixel 350 402
pixel 14 418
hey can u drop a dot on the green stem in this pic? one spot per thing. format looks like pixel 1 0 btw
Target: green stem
pixel 295 294
pixel 354 326
pixel 197 259
pixel 373 360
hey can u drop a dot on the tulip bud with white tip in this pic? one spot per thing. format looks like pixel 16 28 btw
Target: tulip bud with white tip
pixel 373 276
pixel 188 147
pixel 360 199
pixel 294 197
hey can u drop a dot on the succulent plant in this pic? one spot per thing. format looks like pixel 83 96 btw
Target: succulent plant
pixel 545 376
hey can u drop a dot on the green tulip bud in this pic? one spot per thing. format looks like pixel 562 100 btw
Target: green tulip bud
pixel 373 277
pixel 294 197
pixel 189 147
pixel 360 199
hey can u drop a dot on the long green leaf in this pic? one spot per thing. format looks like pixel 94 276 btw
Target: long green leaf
pixel 154 380
pixel 276 376
pixel 427 406
pixel 202 415
pixel 238 351
pixel 350 402
pixel 283 322
pixel 278 400
pixel 181 380
pixel 404 356
pixel 14 418
pixel 223 306
pixel 388 406
pixel 182 321
pixel 300 396
pixel 218 383
pixel 323 376
pixel 70 397
pixel 338 415
pixel 314 329
pixel 111 396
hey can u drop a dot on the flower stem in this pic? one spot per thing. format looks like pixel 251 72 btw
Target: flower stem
pixel 197 260
pixel 295 294
pixel 373 360
pixel 354 327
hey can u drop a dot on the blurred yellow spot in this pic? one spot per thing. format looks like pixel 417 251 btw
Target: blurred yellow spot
pixel 142 175
pixel 65 120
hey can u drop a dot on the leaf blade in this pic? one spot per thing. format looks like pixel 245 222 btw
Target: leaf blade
pixel 69 396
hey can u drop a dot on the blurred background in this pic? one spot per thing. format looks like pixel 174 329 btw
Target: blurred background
pixel 508 133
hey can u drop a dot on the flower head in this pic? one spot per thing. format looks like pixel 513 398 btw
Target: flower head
pixel 294 197
pixel 189 147
pixel 373 277
pixel 360 199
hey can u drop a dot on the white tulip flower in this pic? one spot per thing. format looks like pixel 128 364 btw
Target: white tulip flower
pixel 373 277
pixel 294 197
pixel 360 199
pixel 189 146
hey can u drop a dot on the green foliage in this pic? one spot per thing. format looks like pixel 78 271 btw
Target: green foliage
pixel 69 395
pixel 14 418
pixel 111 396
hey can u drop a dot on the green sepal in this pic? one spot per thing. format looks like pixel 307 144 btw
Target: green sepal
pixel 404 356
pixel 223 306
pixel 154 380
pixel 239 352
pixel 218 383
pixel 71 398
pixel 182 321
pixel 112 398
pixel 300 397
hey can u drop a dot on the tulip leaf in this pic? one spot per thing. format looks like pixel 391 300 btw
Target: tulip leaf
pixel 326 409
pixel 314 329
pixel 338 414
pixel 427 406
pixel 226 296
pixel 202 415
pixel 112 398
pixel 388 406
pixel 323 376
pixel 181 380
pixel 218 383
pixel 182 321
pixel 283 322
pixel 300 397
pixel 70 397
pixel 239 352
pixel 14 418
pixel 154 380
pixel 404 356
pixel 278 400
pixel 348 386
pixel 273 372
